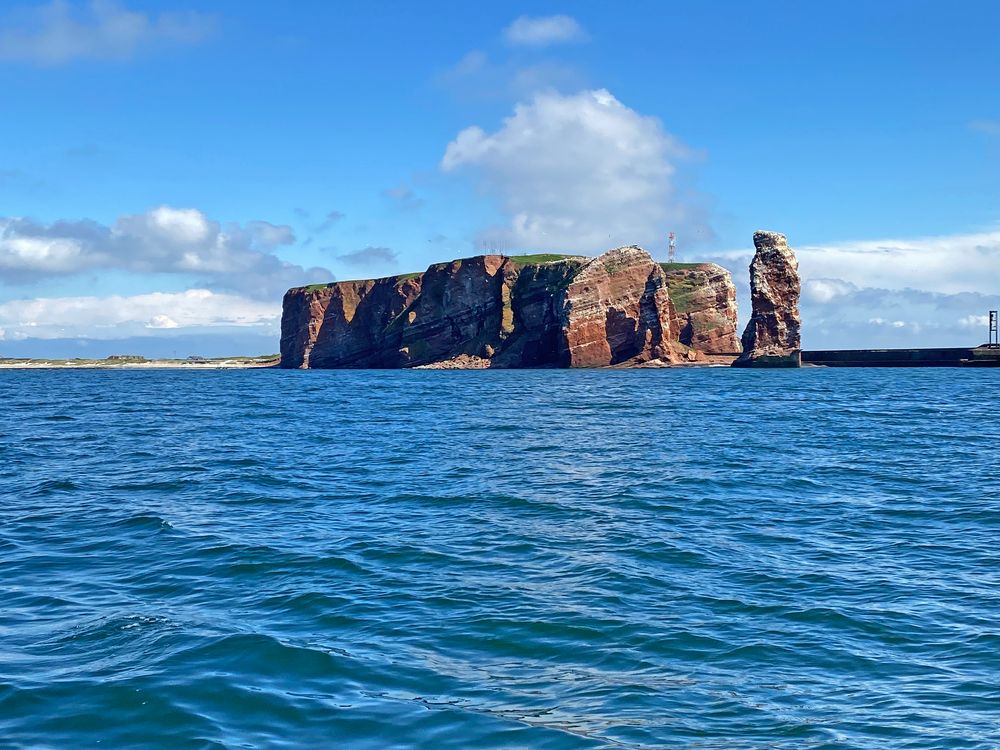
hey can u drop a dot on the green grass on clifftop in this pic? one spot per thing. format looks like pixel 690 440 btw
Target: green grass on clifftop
pixel 521 260
pixel 680 266
pixel 316 287
pixel 527 260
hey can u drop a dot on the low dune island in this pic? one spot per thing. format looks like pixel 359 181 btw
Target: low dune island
pixel 620 309
pixel 138 362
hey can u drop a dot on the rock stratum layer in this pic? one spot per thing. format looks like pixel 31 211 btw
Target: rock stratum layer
pixel 771 338
pixel 526 311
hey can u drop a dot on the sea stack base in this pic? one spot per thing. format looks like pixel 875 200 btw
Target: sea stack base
pixel 773 360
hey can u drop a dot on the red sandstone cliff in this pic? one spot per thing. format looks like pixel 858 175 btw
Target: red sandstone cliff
pixel 497 311
pixel 704 299
pixel 616 309
pixel 345 324
pixel 771 338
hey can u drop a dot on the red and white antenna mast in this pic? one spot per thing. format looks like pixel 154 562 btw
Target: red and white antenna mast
pixel 671 248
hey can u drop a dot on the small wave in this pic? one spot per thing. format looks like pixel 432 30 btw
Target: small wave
pixel 149 521
pixel 260 655
pixel 53 486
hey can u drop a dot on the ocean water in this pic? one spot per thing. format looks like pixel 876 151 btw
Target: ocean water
pixel 701 558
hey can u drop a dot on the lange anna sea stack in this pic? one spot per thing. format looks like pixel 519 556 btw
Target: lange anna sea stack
pixel 771 338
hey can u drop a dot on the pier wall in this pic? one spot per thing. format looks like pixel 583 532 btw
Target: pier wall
pixel 935 357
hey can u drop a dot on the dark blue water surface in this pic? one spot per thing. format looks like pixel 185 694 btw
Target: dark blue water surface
pixel 552 559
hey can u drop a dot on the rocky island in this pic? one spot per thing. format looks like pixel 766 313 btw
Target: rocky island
pixel 621 308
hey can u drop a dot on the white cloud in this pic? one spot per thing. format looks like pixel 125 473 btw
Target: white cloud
pixel 541 31
pixel 60 31
pixel 889 323
pixel 162 240
pixel 581 172
pixel 162 321
pixel 948 264
pixel 122 316
pixel 975 321
pixel 826 290
pixel 922 291
pixel 990 127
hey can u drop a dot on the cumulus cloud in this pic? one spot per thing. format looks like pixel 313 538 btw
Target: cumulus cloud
pixel 162 321
pixel 60 31
pixel 577 172
pixel 122 316
pixel 370 256
pixel 162 240
pixel 542 31
pixel 826 290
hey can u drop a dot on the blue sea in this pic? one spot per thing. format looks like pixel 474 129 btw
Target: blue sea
pixel 696 558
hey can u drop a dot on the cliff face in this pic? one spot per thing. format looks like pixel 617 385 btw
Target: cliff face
pixel 460 311
pixel 771 338
pixel 346 324
pixel 704 299
pixel 496 311
pixel 616 309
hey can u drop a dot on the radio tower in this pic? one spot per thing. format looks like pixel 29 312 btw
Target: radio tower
pixel 671 248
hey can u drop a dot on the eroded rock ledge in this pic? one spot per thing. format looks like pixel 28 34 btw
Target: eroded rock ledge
pixel 621 308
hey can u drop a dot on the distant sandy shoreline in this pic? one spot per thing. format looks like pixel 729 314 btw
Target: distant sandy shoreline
pixel 234 363
pixel 248 363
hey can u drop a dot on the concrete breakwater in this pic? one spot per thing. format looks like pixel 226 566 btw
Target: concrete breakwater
pixel 980 356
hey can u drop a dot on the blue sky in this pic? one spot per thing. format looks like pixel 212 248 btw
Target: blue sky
pixel 168 168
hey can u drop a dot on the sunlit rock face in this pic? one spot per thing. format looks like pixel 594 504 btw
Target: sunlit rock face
pixel 704 299
pixel 617 310
pixel 771 338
